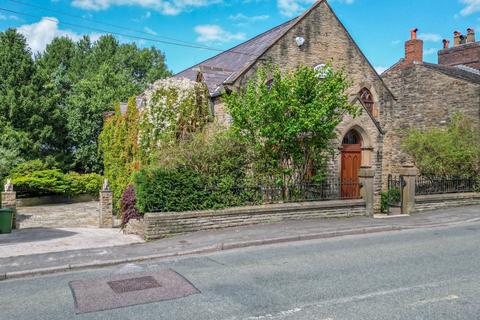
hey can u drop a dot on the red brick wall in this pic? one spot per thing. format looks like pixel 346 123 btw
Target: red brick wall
pixel 467 54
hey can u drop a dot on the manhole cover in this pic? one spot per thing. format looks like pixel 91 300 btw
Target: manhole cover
pixel 133 284
pixel 129 289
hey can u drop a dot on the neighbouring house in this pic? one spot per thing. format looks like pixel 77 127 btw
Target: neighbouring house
pixel 411 94
pixel 428 94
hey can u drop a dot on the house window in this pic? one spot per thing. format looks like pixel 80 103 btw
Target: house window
pixel 322 70
pixel 352 137
pixel 367 99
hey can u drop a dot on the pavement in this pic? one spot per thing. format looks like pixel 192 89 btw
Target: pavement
pixel 423 273
pixel 25 265
pixel 34 241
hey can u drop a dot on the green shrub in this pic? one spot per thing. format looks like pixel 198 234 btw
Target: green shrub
pixel 386 198
pixel 452 151
pixel 55 182
pixel 182 189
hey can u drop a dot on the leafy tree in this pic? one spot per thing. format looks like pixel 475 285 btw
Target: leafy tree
pixel 290 121
pixel 452 151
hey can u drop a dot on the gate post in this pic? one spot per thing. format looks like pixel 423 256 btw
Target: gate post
pixel 9 201
pixel 366 175
pixel 106 206
pixel 409 174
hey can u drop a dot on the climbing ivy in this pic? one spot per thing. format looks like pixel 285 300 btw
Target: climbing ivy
pixel 119 147
pixel 171 111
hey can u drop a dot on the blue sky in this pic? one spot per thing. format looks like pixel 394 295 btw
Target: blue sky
pixel 380 27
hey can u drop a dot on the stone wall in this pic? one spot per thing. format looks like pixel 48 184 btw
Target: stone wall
pixel 440 201
pixel 160 225
pixel 426 99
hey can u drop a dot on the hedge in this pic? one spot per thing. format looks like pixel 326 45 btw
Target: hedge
pixel 55 182
pixel 182 189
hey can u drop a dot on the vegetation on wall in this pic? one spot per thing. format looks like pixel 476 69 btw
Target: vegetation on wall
pixel 173 110
pixel 118 144
pixel 453 151
pixel 289 119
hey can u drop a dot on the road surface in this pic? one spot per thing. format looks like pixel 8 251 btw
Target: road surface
pixel 416 274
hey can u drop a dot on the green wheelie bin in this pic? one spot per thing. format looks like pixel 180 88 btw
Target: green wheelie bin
pixel 6 220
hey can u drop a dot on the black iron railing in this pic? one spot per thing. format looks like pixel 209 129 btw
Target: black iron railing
pixel 329 189
pixel 426 185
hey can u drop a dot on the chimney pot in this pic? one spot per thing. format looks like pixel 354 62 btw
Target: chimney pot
pixel 456 38
pixel 446 44
pixel 413 34
pixel 470 35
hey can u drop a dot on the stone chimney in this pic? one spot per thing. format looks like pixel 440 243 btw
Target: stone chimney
pixel 470 35
pixel 413 48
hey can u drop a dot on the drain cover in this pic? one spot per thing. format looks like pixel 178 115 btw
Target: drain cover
pixel 129 289
pixel 134 284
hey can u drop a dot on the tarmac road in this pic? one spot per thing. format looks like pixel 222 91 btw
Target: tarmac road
pixel 415 274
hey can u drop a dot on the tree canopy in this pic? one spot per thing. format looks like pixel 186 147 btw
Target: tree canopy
pixel 289 118
pixel 52 104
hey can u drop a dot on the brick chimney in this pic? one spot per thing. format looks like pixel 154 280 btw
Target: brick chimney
pixel 413 48
pixel 470 35
pixel 465 51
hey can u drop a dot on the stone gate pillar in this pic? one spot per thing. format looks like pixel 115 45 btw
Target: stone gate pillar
pixel 409 174
pixel 106 206
pixel 366 176
pixel 9 200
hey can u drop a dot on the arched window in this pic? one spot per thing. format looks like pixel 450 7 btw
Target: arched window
pixel 367 99
pixel 352 137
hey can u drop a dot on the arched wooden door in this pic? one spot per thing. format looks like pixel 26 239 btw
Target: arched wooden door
pixel 351 163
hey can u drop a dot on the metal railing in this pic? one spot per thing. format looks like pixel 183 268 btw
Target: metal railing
pixel 426 185
pixel 329 189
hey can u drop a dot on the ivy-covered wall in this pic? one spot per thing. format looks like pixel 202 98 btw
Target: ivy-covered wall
pixel 171 110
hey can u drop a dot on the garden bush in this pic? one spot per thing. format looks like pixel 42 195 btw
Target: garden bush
pixel 128 205
pixel 453 151
pixel 183 189
pixel 55 182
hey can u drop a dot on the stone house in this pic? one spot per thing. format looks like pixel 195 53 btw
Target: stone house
pixel 410 94
pixel 428 94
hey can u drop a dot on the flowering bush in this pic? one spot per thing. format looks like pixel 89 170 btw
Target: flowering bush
pixel 172 110
pixel 128 205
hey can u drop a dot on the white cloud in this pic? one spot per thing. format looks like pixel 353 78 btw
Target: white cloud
pixel 241 18
pixel 381 69
pixel 9 17
pixel 40 34
pixel 471 6
pixel 430 51
pixel 215 33
pixel 167 7
pixel 149 31
pixel 432 37
pixel 292 8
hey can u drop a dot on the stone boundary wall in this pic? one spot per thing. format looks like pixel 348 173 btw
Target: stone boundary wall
pixel 439 201
pixel 54 199
pixel 162 224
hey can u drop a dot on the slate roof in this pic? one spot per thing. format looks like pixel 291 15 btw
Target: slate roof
pixel 456 72
pixel 230 63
